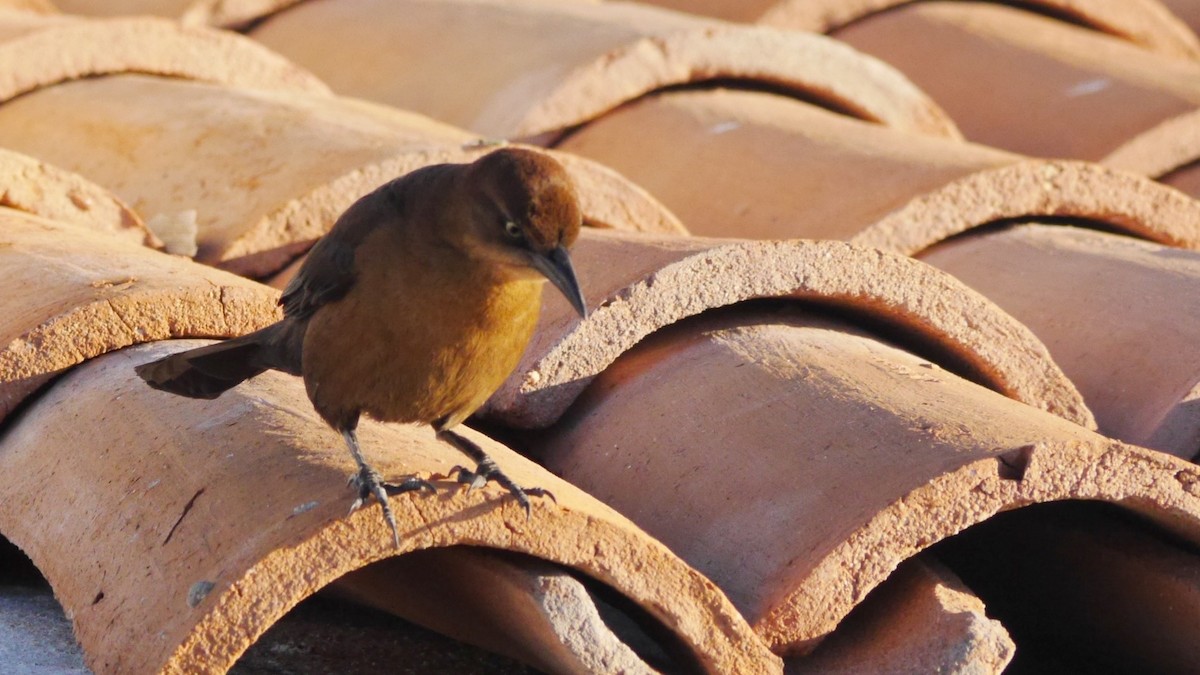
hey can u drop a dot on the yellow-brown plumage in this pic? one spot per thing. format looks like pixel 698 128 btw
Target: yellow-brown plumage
pixel 415 307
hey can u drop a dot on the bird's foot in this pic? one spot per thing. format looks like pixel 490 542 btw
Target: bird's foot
pixel 369 484
pixel 488 471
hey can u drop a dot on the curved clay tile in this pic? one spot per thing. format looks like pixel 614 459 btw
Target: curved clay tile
pixel 635 285
pixel 74 293
pixel 528 67
pixel 42 50
pixel 797 462
pixel 1144 22
pixel 207 521
pixel 262 174
pixel 922 619
pixel 47 191
pixel 473 594
pixel 1026 83
pixel 1118 315
pixel 1077 190
pixel 1163 148
pixel 749 164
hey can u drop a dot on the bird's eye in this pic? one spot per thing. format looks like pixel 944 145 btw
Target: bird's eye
pixel 512 229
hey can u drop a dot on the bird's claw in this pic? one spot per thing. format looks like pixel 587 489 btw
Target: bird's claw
pixel 488 471
pixel 410 484
pixel 369 484
pixel 472 479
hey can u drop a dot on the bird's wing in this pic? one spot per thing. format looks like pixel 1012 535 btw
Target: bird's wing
pixel 328 272
pixel 326 276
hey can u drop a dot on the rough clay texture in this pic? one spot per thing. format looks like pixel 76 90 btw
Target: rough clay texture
pixel 1111 310
pixel 171 146
pixel 534 66
pixel 921 620
pixel 521 607
pixel 1079 191
pixel 229 512
pixel 41 50
pixel 635 285
pixel 757 165
pixel 796 464
pixel 1027 83
pixel 50 192
pixel 73 293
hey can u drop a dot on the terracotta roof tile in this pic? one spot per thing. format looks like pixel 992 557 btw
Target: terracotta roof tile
pixel 212 561
pixel 1148 23
pixel 588 58
pixel 75 293
pixel 636 285
pixel 53 193
pixel 474 594
pixel 921 620
pixel 749 164
pixel 38 50
pixel 838 454
pixel 174 147
pixel 803 461
pixel 1093 298
pixel 1027 83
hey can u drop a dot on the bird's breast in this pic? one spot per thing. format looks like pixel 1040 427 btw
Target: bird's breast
pixel 416 348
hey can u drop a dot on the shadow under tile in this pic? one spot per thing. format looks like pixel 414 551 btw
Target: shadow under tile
pixel 1082 587
pixel 35 634
pixel 329 636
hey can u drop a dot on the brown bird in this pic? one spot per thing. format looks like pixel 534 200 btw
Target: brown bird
pixel 415 307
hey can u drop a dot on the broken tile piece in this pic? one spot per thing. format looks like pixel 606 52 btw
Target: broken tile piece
pixel 522 607
pixel 921 620
pixel 53 193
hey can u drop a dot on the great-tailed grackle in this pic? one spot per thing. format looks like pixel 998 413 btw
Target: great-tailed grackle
pixel 415 307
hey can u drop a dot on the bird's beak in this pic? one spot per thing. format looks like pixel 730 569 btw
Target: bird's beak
pixel 556 265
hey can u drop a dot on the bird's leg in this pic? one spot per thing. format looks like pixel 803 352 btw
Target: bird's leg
pixel 369 484
pixel 486 469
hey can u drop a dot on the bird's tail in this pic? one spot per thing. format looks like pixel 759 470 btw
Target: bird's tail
pixel 211 370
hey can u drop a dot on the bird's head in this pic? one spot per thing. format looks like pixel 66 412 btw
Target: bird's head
pixel 525 217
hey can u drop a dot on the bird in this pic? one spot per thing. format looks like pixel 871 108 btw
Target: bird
pixel 414 308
